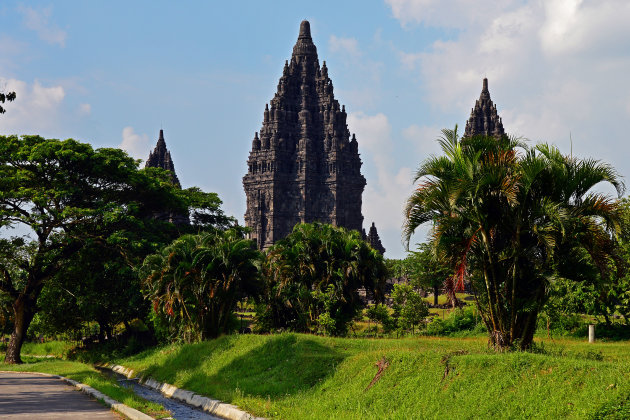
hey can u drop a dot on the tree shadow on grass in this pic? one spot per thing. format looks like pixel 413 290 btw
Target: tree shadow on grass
pixel 185 358
pixel 282 365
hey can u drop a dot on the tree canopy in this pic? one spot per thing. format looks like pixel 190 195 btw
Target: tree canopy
pixel 68 195
pixel 312 277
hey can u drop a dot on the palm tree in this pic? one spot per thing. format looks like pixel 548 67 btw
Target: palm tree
pixel 196 281
pixel 314 261
pixel 503 213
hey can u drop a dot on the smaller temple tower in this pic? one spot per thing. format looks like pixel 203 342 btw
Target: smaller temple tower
pixel 484 119
pixel 160 157
pixel 373 239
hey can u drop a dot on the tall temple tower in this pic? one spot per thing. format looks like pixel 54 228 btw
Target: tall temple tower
pixel 303 167
pixel 484 119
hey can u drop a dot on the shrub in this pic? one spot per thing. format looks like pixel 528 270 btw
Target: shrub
pixel 459 320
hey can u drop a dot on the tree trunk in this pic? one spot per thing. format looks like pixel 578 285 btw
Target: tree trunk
pixel 436 292
pixel 527 333
pixel 23 312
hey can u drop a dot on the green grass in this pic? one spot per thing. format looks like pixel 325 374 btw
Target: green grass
pixel 86 374
pixel 49 348
pixel 302 376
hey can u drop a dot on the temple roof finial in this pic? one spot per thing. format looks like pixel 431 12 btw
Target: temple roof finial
pixel 485 84
pixel 161 142
pixel 305 30
pixel 304 46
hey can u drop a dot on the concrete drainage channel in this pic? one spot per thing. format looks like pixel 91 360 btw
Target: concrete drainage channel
pixel 178 410
pixel 181 403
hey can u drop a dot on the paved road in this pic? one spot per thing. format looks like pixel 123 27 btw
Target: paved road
pixel 28 396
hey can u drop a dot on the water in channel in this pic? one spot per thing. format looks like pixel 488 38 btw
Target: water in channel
pixel 178 409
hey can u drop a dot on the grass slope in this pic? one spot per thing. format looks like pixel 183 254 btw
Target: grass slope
pixel 88 375
pixel 303 376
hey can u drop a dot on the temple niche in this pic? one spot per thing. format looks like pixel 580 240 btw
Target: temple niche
pixel 304 165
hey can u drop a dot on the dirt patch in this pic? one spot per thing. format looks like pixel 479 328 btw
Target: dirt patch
pixel 381 365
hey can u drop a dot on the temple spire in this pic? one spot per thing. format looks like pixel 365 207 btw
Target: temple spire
pixel 161 140
pixel 374 240
pixel 160 157
pixel 484 119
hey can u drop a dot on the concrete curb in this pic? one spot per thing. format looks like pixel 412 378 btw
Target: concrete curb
pixel 209 405
pixel 127 411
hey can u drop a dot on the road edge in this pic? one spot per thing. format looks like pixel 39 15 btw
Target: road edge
pixel 123 409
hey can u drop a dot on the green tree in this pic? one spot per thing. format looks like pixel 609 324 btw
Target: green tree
pixel 196 282
pixel 69 195
pixel 318 269
pixel 429 271
pixel 94 285
pixel 380 313
pixel 409 307
pixel 505 215
pixel 6 97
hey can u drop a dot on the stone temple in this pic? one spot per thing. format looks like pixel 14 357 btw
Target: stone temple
pixel 484 119
pixel 303 166
pixel 160 157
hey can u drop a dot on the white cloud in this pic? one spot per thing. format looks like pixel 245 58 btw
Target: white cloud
pixel 35 109
pixel 347 46
pixel 445 13
pixel 38 21
pixel 85 109
pixel 137 145
pixel 384 197
pixel 409 60
pixel 424 138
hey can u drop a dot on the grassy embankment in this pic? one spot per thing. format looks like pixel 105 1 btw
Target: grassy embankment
pixel 304 376
pixel 82 373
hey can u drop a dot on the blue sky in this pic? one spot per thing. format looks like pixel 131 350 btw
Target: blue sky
pixel 112 73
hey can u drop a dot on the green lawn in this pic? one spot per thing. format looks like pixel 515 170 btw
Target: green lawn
pixel 86 374
pixel 303 376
